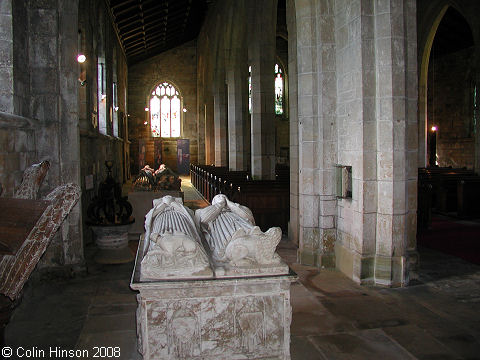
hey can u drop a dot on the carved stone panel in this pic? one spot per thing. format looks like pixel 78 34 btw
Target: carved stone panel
pixel 234 327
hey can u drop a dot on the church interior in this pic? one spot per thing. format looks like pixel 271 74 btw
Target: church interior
pixel 352 125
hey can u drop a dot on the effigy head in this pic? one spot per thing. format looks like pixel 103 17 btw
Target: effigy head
pixel 220 199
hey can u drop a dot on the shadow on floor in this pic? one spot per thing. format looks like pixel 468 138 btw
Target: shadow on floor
pixel 333 318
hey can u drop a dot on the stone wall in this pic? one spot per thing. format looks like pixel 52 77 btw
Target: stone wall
pixel 6 57
pixel 451 107
pixel 39 80
pixel 17 150
pixel 39 74
pixel 177 66
pixel 20 58
pixel 100 44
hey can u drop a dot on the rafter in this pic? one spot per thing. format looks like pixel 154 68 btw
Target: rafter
pixel 145 27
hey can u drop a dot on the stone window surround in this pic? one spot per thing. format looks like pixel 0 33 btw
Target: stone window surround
pixel 182 106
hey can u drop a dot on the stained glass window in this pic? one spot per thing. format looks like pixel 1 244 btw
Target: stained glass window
pixel 115 109
pixel 165 115
pixel 250 89
pixel 278 90
pixel 102 97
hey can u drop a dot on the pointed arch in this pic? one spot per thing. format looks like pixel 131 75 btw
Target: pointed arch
pixel 428 29
pixel 422 86
pixel 165 110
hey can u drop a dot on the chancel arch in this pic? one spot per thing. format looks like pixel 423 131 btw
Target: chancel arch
pixel 448 59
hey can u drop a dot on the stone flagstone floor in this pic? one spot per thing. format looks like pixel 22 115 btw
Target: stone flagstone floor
pixel 438 317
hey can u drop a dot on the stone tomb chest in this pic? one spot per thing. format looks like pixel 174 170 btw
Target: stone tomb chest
pixel 212 306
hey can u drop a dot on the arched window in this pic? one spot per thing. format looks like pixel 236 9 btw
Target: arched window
pixel 165 113
pixel 278 90
pixel 250 89
pixel 279 81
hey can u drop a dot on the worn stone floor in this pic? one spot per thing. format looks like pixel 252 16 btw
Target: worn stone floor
pixel 438 317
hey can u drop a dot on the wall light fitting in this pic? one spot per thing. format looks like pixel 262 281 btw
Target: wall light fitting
pixel 81 58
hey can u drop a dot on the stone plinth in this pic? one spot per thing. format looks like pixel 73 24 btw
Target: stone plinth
pixel 112 243
pixel 142 203
pixel 234 318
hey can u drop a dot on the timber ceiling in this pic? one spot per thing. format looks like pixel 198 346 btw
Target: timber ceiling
pixel 148 27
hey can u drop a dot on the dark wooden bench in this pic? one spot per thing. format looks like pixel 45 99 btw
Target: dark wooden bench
pixel 269 200
pixel 468 197
pixel 441 190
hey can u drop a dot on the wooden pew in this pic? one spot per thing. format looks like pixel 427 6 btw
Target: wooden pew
pixel 269 200
pixel 468 197
pixel 441 189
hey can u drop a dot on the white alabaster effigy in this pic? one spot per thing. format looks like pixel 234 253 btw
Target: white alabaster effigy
pixel 172 246
pixel 239 247
pixel 220 294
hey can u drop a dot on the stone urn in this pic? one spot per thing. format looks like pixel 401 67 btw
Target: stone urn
pixel 110 219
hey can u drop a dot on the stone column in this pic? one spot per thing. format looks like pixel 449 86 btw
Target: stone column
pixel 262 44
pixel 395 52
pixel 293 225
pixel 201 116
pixel 327 126
pixel 6 57
pixel 357 138
pixel 237 83
pixel 237 100
pixel 314 141
pixel 220 124
pixel 377 137
pixel 209 129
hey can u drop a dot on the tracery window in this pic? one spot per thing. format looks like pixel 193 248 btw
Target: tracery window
pixel 165 111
